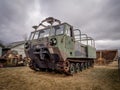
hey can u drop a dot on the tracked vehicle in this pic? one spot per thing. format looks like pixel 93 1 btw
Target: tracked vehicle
pixel 59 47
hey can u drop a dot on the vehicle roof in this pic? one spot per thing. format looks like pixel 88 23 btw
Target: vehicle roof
pixel 53 25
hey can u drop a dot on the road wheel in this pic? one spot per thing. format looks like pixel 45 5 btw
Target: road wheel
pixel 85 65
pixel 82 67
pixel 66 65
pixel 77 67
pixel 72 68
pixel 91 63
pixel 33 66
pixel 88 64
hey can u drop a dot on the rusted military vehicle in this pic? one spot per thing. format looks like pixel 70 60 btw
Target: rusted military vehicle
pixel 59 47
pixel 11 58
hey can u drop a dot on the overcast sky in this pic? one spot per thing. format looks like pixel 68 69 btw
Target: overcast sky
pixel 100 19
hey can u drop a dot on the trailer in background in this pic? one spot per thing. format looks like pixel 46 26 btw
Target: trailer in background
pixel 106 56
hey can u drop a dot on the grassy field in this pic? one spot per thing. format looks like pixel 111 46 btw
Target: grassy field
pixel 23 78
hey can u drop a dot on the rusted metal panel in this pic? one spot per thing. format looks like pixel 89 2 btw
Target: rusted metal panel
pixel 106 56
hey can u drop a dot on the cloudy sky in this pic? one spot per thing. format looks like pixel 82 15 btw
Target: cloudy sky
pixel 100 19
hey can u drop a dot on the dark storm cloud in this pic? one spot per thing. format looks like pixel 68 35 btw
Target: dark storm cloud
pixel 107 22
pixel 98 18
pixel 13 16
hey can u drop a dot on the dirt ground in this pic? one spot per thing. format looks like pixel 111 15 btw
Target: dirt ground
pixel 97 78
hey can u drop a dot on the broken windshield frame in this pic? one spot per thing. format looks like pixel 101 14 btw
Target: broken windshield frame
pixel 54 30
pixel 31 36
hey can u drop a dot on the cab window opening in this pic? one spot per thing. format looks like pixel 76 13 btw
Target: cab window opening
pixel 55 30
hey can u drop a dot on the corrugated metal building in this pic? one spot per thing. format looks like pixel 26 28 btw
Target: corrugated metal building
pixel 18 46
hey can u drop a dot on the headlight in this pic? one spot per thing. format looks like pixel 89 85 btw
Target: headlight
pixel 53 41
pixel 37 46
pixel 27 45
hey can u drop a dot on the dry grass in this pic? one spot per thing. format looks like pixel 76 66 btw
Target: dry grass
pixel 97 78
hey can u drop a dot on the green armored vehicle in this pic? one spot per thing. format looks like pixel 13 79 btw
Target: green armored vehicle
pixel 59 47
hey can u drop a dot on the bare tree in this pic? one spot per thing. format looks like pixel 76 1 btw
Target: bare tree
pixel 1 43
